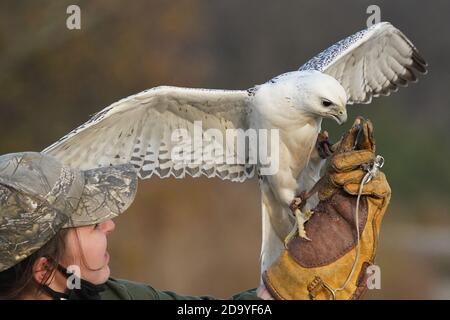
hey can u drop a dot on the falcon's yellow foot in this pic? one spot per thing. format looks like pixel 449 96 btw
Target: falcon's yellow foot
pixel 291 234
pixel 300 220
pixel 308 214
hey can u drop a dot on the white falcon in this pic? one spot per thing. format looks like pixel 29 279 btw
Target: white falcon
pixel 138 129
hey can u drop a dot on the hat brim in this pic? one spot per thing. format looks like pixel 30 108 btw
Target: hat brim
pixel 107 193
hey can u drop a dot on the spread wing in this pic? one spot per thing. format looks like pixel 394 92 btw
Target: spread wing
pixel 140 130
pixel 371 62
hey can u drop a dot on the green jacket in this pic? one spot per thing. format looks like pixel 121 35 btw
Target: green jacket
pixel 128 290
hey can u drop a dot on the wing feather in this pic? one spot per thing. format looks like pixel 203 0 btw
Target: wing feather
pixel 371 62
pixel 140 130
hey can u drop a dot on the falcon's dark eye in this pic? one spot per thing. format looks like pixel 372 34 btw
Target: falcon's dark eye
pixel 326 103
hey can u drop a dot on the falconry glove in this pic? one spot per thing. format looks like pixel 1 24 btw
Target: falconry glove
pixel 343 228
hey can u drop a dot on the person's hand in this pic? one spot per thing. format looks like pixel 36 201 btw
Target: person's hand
pixel 263 293
pixel 333 265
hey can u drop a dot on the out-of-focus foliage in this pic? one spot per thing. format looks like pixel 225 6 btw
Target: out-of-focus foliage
pixel 201 236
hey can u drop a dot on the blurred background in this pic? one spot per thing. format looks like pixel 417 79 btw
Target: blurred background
pixel 202 236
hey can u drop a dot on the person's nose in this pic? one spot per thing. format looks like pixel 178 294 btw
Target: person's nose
pixel 108 226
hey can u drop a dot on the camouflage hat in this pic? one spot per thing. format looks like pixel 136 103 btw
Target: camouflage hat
pixel 39 196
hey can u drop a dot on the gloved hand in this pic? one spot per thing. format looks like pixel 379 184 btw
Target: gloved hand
pixel 333 264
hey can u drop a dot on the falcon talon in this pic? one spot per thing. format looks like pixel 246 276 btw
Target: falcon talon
pixel 299 228
pixel 302 218
pixel 302 233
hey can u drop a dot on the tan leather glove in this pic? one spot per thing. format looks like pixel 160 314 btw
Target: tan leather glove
pixel 333 264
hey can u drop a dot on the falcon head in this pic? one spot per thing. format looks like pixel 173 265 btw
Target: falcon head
pixel 322 96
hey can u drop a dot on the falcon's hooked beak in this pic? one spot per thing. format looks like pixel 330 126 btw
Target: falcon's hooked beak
pixel 338 113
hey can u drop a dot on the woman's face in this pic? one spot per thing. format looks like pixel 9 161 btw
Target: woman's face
pixel 86 248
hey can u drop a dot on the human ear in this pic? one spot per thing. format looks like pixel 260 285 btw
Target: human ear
pixel 41 270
